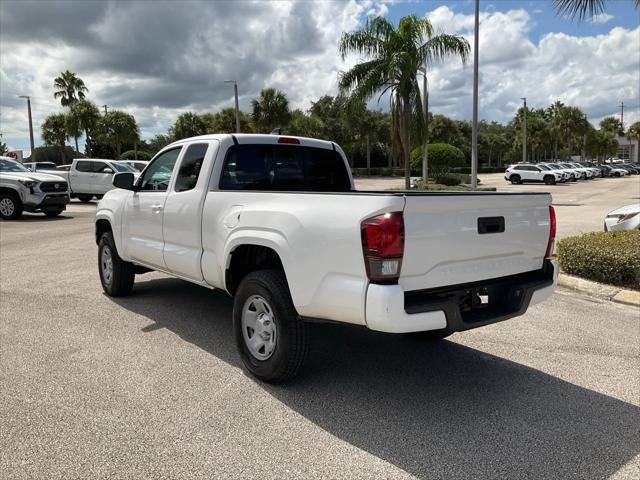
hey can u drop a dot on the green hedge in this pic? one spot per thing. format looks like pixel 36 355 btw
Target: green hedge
pixel 467 170
pixel 131 155
pixel 607 257
pixel 379 171
pixel 441 155
pixel 448 180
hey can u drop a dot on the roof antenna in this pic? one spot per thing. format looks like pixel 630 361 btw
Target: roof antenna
pixel 276 131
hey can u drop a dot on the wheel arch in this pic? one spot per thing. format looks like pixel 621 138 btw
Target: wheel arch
pixel 248 256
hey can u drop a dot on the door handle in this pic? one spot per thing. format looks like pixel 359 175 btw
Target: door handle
pixel 156 208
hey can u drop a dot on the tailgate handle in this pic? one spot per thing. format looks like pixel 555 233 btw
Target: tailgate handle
pixel 490 225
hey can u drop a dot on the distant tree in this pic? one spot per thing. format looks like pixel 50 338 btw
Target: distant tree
pixel 157 143
pixel 270 110
pixel 116 128
pixel 69 88
pixel 634 131
pixel 54 132
pixel 612 125
pixel 188 124
pixel 304 125
pixel 74 130
pixel 225 121
pixel 393 57
pixel 3 148
pixel 85 114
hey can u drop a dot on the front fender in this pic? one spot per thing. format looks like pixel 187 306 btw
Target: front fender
pixel 110 209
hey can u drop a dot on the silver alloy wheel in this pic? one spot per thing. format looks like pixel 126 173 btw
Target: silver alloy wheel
pixel 259 329
pixel 106 264
pixel 7 207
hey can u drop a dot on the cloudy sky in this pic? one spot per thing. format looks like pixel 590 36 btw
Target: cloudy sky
pixel 156 59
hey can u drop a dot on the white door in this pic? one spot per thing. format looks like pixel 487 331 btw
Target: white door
pixel 80 176
pixel 144 211
pixel 102 177
pixel 182 224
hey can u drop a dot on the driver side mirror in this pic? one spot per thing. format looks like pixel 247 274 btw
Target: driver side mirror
pixel 125 180
pixel 107 170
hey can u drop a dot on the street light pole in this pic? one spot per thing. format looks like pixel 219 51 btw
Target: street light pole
pixel 474 121
pixel 524 132
pixel 425 109
pixel 235 92
pixel 584 138
pixel 33 149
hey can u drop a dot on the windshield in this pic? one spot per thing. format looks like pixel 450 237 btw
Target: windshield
pixel 553 165
pixel 544 167
pixel 7 165
pixel 123 167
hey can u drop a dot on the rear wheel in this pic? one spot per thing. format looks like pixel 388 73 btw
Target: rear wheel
pixel 549 180
pixel 116 275
pixel 515 179
pixel 85 198
pixel 10 206
pixel 271 339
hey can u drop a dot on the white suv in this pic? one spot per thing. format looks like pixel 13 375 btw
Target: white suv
pixel 524 172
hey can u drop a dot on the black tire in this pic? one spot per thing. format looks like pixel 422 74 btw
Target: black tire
pixel 292 334
pixel 122 276
pixel 515 179
pixel 433 335
pixel 85 198
pixel 549 180
pixel 52 213
pixel 618 174
pixel 10 206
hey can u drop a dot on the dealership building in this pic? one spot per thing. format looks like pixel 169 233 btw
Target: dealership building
pixel 627 149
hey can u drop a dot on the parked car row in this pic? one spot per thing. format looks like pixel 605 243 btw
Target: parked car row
pixel 551 173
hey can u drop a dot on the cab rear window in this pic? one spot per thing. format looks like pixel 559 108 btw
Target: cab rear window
pixel 284 168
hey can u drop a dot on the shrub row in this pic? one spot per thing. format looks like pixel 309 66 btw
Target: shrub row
pixel 379 171
pixel 607 257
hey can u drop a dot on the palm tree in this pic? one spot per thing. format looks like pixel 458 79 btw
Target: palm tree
pixel 188 124
pixel 116 128
pixel 270 110
pixel 582 8
pixel 554 114
pixel 54 132
pixel 85 113
pixel 394 56
pixel 73 129
pixel 70 88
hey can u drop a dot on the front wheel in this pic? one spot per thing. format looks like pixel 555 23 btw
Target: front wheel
pixel 85 198
pixel 515 179
pixel 10 206
pixel 271 339
pixel 116 275
pixel 549 180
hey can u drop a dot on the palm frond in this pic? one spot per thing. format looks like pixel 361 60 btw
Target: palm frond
pixel 580 8
pixel 443 45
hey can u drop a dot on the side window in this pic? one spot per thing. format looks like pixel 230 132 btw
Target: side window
pixel 157 176
pixel 190 166
pixel 83 166
pixel 101 167
pixel 518 168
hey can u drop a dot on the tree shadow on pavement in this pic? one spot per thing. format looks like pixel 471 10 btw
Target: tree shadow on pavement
pixel 436 410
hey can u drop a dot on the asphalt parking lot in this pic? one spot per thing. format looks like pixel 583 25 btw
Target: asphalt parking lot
pixel 150 386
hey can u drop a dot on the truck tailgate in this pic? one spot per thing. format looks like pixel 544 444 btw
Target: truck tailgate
pixel 452 239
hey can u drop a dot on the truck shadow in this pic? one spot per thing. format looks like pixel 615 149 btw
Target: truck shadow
pixel 436 410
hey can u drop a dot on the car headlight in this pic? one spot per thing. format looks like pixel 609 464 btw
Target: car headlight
pixel 626 217
pixel 28 183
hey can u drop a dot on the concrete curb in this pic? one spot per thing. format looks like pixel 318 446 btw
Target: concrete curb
pixel 600 290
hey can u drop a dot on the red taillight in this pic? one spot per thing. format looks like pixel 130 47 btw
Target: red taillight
pixel 294 141
pixel 552 232
pixel 383 246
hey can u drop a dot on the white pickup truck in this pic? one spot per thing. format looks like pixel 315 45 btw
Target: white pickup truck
pixel 89 177
pixel 276 222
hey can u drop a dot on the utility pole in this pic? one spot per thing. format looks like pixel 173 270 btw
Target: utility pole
pixel 425 109
pixel 235 92
pixel 524 132
pixel 474 122
pixel 622 115
pixel 33 149
pixel 105 108
pixel 584 138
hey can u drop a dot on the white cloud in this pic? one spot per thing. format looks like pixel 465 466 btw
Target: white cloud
pixel 602 18
pixel 156 61
pixel 594 73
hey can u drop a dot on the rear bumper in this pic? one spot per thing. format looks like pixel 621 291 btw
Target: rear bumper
pixel 390 309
